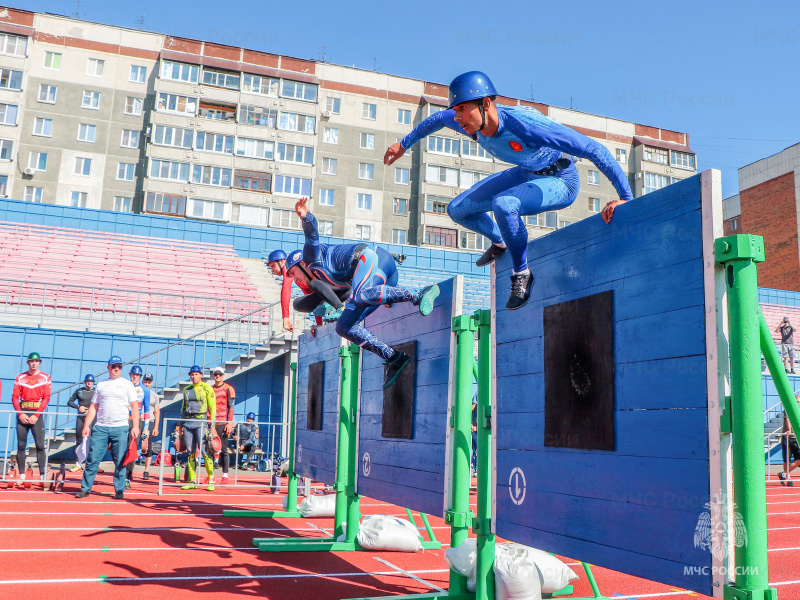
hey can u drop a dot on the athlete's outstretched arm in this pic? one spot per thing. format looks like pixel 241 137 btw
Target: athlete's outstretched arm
pixel 443 118
pixel 310 232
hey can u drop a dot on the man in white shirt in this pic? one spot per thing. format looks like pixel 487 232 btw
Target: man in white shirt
pixel 114 400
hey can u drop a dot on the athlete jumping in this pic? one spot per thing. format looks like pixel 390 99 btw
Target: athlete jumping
pixel 328 269
pixel 544 179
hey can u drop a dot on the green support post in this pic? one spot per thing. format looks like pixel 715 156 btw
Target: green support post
pixel 779 377
pixel 739 255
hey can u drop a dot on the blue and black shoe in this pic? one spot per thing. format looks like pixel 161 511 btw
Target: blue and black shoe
pixel 394 367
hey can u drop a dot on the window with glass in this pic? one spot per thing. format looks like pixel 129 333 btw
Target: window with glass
pixel 286 219
pixel 325 197
pixel 400 206
pixel 172 136
pixel 37 161
pixel 90 100
pixel 207 209
pixel 297 122
pixel 369 111
pixel 622 156
pixel 78 199
pixel 256 181
pixel 214 142
pixel 138 74
pixel 208 175
pixel 654 181
pixel 401 175
pixel 563 223
pixel 177 104
pixel 441 175
pixel 325 227
pixel 440 236
pixel 8 114
pixel 656 155
pixel 330 135
pixel 292 186
pixel 168 204
pixel 365 201
pixel 126 171
pixel 403 116
pixel 443 145
pixel 257 115
pixel 170 170
pixel 220 78
pixel 33 194
pixel 133 106
pixel 470 178
pixel 436 204
pixel 366 171
pixel 294 153
pixel 594 205
pixel 52 60
pixel 547 219
pixel 256 84
pixel 6 147
pixel 177 71
pixel 95 67
pixel 681 160
pixel 15 45
pixel 363 232
pixel 47 93
pixel 433 109
pixel 254 148
pixel 10 79
pixel 333 105
pixel 130 138
pixel 83 166
pixel 299 91
pixel 250 215
pixel 123 203
pixel 368 141
pixel 4 186
pixel 399 236
pixel 473 241
pixel 593 177
pixel 473 149
pixel 86 132
pixel 329 166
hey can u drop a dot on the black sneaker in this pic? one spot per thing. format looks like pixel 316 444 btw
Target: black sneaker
pixel 782 477
pixel 521 285
pixel 394 367
pixel 146 475
pixel 398 258
pixel 81 494
pixel 425 299
pixel 488 257
pixel 119 496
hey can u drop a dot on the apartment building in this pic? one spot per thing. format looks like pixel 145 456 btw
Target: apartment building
pixel 106 117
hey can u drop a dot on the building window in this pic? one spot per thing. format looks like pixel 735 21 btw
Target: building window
pixel 470 178
pixel 208 175
pixel 42 126
pixel 563 223
pixel 399 236
pixel 297 122
pixel 548 219
pixel 286 219
pixel 594 205
pixel 257 181
pixel 255 84
pixel 326 197
pixel 293 153
pixel 593 177
pixel 83 166
pixel 734 224
pixel 299 91
pixel 33 194
pixel 473 150
pixel 173 136
pixel 14 45
pixel 365 201
pixel 473 241
pixel 363 232
pixel 329 166
pixel 368 141
pixel 325 227
pixel 47 93
pixel 177 104
pixel 126 171
pixel 292 186
pixel 400 206
pixel 138 74
pixel 653 182
pixel 52 60
pixel 443 145
pixel 78 199
pixel 169 170
pixel 4 186
pixel 681 160
pixel 369 111
pixel 403 117
pixel 166 203
pixel 250 215
pixel 86 132
pixel 436 204
pixel 37 161
pixel 6 147
pixel 130 138
pixel 440 236
pixel 401 176
pixel 656 155
pixel 122 203
pixel 133 106
pixel 333 105
pixel 622 156
pixel 214 142
pixel 330 135
pixel 365 171
pixel 255 148
pixel 257 115
pixel 95 67
pixel 441 175
pixel 179 71
pixel 10 79
pixel 8 114
pixel 207 209
pixel 223 79
pixel 90 100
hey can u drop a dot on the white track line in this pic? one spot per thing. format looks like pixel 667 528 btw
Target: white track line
pixel 408 574
pixel 781 528
pixel 784 582
pixel 782 549
pixel 113 529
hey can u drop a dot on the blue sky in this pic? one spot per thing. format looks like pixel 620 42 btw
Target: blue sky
pixel 725 72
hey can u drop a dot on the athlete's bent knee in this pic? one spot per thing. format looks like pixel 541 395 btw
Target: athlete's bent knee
pixel 505 205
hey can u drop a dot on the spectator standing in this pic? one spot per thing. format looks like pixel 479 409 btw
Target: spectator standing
pixel 81 400
pixel 225 397
pixel 113 403
pixel 30 397
pixel 787 343
pixel 790 451
pixel 143 399
pixel 199 404
pixel 248 438
pixel 155 432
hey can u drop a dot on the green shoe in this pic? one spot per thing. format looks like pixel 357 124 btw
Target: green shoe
pixel 210 487
pixel 190 486
pixel 425 299
pixel 394 368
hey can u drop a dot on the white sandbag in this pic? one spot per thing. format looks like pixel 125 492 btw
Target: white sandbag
pixel 463 559
pixel 515 574
pixel 553 574
pixel 343 537
pixel 381 532
pixel 319 506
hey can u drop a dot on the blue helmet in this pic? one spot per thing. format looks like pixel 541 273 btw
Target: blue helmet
pixel 472 85
pixel 275 256
pixel 294 257
pixel 195 369
pixel 135 370
pixel 89 377
pixel 251 415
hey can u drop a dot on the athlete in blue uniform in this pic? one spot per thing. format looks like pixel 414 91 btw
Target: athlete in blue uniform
pixel 369 275
pixel 544 179
pixel 143 397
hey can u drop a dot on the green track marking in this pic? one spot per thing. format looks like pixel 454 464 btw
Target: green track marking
pixel 105 549
pixel 102 579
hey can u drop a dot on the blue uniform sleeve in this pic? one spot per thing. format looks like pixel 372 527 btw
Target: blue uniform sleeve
pixel 443 118
pixel 311 233
pixel 146 407
pixel 569 141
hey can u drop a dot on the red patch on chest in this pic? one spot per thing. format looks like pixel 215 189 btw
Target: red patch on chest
pixel 515 146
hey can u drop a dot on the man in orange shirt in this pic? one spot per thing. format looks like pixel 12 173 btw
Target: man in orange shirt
pixel 226 398
pixel 30 397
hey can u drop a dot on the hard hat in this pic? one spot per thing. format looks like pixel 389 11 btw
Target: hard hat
pixel 275 256
pixel 472 85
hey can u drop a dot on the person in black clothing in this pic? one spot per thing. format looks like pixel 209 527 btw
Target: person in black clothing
pixel 787 343
pixel 81 400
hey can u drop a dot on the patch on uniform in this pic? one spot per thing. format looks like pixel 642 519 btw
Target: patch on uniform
pixel 515 146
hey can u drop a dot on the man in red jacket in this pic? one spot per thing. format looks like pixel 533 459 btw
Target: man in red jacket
pixel 30 397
